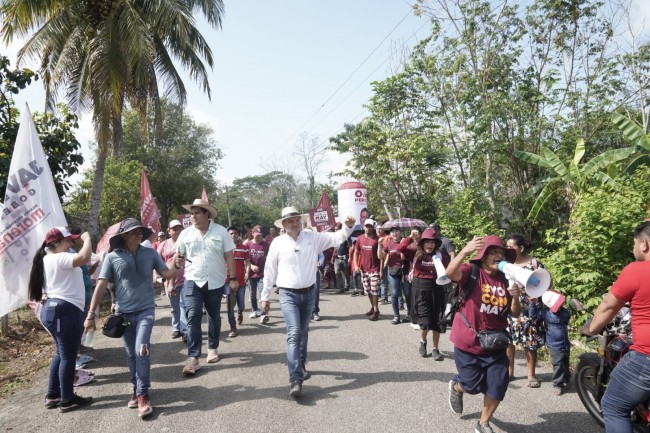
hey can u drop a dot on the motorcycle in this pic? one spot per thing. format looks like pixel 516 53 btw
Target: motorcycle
pixel 594 368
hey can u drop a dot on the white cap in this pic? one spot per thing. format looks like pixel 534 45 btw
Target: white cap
pixel 174 223
pixel 369 222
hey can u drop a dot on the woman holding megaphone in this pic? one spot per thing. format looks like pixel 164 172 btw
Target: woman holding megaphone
pixel 527 332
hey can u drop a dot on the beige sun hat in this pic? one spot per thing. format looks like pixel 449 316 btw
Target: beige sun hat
pixel 287 212
pixel 202 204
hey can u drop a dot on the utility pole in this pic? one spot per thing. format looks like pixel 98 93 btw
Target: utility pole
pixel 228 206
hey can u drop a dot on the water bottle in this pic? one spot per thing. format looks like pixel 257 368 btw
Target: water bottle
pixel 89 338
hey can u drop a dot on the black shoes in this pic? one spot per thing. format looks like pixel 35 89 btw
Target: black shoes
pixel 75 402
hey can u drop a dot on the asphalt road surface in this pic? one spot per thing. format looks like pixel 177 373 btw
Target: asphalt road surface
pixel 367 377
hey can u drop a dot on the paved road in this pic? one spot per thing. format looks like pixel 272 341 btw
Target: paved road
pixel 367 376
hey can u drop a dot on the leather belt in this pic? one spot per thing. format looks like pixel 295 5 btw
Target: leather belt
pixel 342 257
pixel 303 290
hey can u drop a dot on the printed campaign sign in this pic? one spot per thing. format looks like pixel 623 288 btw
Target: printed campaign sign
pixel 322 216
pixel 31 207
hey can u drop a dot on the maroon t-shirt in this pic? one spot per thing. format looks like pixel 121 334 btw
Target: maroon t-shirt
pixel 422 267
pixel 394 256
pixel 258 254
pixel 483 309
pixel 366 247
pixel 241 254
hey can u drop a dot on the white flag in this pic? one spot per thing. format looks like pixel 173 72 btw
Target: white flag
pixel 31 207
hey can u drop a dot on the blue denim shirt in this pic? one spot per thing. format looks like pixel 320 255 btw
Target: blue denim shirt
pixel 557 325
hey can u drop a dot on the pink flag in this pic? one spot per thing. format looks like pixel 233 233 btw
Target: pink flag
pixel 149 213
pixel 204 195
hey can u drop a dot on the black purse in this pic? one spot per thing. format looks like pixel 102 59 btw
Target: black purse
pixel 114 326
pixel 490 340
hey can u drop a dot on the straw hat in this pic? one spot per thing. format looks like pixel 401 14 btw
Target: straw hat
pixel 287 212
pixel 202 204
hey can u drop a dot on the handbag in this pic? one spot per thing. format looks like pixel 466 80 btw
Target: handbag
pixel 494 340
pixel 114 326
pixel 490 340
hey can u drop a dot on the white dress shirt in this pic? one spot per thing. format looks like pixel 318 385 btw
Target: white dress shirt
pixel 290 263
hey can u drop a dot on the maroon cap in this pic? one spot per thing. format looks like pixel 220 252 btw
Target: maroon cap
pixel 495 241
pixel 430 235
pixel 58 233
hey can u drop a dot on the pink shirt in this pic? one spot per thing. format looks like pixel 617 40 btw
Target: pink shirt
pixel 166 251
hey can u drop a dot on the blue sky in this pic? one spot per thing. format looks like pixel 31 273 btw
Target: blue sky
pixel 277 63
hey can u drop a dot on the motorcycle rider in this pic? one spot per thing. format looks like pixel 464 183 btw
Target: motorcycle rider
pixel 629 383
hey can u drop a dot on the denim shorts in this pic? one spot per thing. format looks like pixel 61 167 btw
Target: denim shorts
pixel 484 374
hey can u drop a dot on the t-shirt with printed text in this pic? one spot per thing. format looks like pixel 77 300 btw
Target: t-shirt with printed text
pixel 366 248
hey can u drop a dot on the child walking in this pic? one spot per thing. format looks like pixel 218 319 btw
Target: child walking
pixel 556 318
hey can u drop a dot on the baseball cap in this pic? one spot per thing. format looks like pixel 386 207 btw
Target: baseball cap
pixel 58 233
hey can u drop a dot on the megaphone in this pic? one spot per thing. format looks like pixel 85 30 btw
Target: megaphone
pixel 441 271
pixel 535 282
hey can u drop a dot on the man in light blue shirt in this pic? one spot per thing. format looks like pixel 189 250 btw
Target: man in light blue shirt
pixel 205 249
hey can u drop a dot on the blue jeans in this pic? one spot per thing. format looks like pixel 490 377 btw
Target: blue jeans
pixel 395 292
pixel 232 299
pixel 317 295
pixel 179 316
pixel 63 321
pixel 629 385
pixel 137 343
pixel 383 293
pixel 297 309
pixel 253 282
pixel 195 298
pixel 406 285
pixel 356 281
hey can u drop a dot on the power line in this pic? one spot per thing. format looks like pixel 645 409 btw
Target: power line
pixel 345 81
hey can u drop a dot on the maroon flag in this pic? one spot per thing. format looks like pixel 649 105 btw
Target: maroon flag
pixel 204 195
pixel 322 216
pixel 149 213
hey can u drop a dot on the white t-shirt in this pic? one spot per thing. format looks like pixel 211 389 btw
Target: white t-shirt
pixel 62 280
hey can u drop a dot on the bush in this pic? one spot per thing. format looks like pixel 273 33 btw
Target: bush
pixel 590 254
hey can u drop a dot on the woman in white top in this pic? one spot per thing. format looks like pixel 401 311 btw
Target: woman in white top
pixel 57 282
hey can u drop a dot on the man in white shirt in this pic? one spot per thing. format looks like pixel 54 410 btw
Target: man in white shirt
pixel 204 248
pixel 290 266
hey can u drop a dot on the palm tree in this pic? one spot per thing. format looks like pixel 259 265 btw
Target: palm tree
pixel 104 54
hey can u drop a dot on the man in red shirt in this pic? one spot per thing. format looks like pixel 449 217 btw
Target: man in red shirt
pixel 273 232
pixel 366 256
pixel 629 384
pixel 242 270
pixel 174 288
pixel 258 251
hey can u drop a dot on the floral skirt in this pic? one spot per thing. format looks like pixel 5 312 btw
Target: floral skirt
pixel 527 332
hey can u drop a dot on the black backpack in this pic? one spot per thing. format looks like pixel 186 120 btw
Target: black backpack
pixel 456 297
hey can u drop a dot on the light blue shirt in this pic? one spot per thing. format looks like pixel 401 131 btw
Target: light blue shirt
pixel 133 277
pixel 205 260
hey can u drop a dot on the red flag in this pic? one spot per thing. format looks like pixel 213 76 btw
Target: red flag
pixel 322 216
pixel 149 213
pixel 204 195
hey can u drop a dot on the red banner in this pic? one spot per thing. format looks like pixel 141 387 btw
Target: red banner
pixel 185 219
pixel 204 195
pixel 322 216
pixel 149 213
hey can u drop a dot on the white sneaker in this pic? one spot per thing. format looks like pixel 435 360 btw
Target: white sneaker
pixel 264 319
pixel 213 356
pixel 415 326
pixel 315 317
pixel 254 315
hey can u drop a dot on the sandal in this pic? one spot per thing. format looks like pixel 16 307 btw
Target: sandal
pixel 533 383
pixel 83 379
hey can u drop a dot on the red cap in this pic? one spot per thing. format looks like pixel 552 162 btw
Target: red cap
pixel 58 233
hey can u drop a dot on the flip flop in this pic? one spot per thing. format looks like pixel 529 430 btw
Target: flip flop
pixel 533 383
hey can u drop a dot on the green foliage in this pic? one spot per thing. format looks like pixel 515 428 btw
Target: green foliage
pixel 587 258
pixel 464 215
pixel 55 131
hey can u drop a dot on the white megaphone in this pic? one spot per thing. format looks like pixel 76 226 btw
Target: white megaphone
pixel 535 282
pixel 441 271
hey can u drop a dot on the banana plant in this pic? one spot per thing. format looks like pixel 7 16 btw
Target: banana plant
pixel 570 178
pixel 634 134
